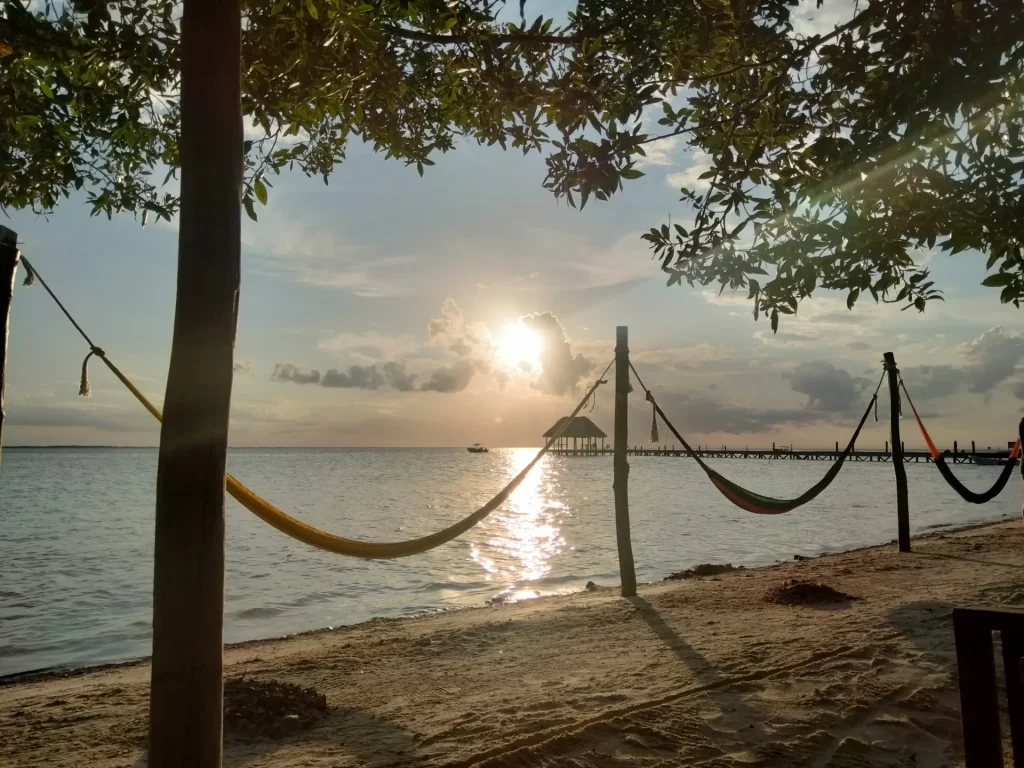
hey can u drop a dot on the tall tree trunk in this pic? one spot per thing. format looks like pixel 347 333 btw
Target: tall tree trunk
pixel 186 707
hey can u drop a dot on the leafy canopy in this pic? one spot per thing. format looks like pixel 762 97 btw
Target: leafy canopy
pixel 832 159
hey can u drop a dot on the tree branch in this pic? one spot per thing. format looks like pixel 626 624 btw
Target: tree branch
pixel 526 38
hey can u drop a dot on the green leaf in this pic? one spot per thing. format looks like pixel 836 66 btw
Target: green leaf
pixel 45 88
pixel 994 281
pixel 311 7
pixel 851 298
pixel 631 173
pixel 260 190
pixel 249 209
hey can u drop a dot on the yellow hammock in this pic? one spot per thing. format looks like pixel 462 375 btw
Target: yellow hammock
pixel 297 529
pixel 315 537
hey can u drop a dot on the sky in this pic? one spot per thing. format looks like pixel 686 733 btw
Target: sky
pixel 469 305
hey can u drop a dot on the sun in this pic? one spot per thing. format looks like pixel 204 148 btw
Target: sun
pixel 519 346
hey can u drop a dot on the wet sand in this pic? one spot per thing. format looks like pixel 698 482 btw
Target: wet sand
pixel 701 672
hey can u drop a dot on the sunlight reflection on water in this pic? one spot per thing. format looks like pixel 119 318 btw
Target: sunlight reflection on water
pixel 524 536
pixel 77 543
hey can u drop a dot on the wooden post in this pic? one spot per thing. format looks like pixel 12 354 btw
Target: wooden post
pixel 979 697
pixel 956 450
pixel 886 446
pixel 186 702
pixel 627 571
pixel 8 267
pixel 902 499
pixel 972 447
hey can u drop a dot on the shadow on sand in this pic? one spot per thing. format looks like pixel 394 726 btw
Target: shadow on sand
pixel 928 625
pixel 351 736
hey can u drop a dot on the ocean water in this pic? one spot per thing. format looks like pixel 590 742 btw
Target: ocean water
pixel 76 535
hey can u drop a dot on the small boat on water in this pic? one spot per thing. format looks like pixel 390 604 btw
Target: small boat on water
pixel 990 461
pixel 477 448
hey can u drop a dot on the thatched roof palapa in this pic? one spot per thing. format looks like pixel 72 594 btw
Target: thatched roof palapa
pixel 581 427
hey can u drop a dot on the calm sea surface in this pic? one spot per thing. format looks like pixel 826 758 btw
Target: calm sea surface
pixel 77 535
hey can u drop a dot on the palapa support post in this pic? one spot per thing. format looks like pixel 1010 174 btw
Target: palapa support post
pixel 627 571
pixel 8 267
pixel 902 496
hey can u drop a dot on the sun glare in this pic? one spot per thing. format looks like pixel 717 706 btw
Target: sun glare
pixel 518 345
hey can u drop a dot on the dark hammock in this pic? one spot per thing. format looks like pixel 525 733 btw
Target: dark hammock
pixel 947 474
pixel 755 502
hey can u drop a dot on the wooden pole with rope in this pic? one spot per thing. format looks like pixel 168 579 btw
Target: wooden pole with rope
pixel 627 571
pixel 902 495
pixel 9 256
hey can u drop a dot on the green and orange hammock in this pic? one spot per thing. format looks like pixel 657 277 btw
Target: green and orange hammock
pixel 947 474
pixel 755 502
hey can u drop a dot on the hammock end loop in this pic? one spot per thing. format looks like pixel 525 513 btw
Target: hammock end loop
pixel 84 387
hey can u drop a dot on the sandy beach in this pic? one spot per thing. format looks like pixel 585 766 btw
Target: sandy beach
pixel 695 672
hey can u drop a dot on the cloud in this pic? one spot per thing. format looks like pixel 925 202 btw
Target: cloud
pixel 397 377
pixel 452 331
pixel 660 152
pixel 814 18
pixel 561 369
pixel 988 361
pixel 992 359
pixel 284 244
pixel 102 418
pixel 358 377
pixel 288 372
pixel 933 381
pixel 797 337
pixel 690 177
pixel 243 367
pixel 371 347
pixel 702 414
pixel 828 389
pixel 859 345
pixel 452 379
pixel 389 374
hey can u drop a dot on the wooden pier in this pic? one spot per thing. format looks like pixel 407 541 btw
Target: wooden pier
pixel 885 456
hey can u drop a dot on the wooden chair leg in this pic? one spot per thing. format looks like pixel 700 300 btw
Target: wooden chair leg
pixel 979 703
